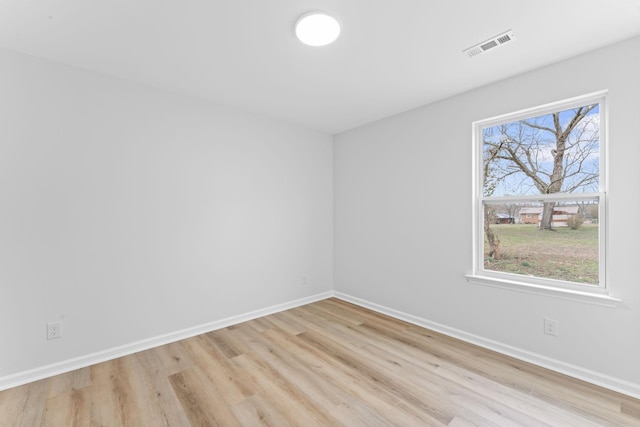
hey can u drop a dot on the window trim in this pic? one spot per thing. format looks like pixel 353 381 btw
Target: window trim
pixel 550 287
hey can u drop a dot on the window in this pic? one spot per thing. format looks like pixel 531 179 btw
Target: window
pixel 545 168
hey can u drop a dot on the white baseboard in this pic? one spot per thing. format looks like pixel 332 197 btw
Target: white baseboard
pixel 602 380
pixel 36 374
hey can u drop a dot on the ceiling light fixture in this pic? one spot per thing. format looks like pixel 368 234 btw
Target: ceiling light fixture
pixel 317 28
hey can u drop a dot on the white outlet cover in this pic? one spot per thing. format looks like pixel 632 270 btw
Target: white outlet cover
pixel 54 330
pixel 551 327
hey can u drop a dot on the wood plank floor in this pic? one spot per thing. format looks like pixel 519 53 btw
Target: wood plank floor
pixel 325 364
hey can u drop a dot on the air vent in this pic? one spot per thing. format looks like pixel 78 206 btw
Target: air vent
pixel 486 45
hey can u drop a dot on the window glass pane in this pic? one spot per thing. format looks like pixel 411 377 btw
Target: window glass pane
pixel 552 153
pixel 514 243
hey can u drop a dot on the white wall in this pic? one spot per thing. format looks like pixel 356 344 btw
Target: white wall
pixel 132 213
pixel 402 220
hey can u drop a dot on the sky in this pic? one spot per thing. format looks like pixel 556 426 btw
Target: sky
pixel 535 148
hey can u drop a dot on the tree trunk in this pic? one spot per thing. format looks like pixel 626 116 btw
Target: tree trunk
pixel 547 216
pixel 492 239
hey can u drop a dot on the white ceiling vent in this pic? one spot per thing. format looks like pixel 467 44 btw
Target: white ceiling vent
pixel 486 45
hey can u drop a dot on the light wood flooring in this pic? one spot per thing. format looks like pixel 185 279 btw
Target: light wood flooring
pixel 328 363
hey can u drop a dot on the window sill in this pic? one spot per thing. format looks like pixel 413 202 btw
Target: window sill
pixel 604 300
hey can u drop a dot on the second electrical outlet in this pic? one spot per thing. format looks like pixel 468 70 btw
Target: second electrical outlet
pixel 54 330
pixel 551 327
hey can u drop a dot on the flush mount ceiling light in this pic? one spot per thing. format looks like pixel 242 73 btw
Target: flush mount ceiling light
pixel 317 28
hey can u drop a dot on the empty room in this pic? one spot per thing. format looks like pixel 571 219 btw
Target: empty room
pixel 319 213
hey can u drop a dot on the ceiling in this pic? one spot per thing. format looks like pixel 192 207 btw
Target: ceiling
pixel 392 56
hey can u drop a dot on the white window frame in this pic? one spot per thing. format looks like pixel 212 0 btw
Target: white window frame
pixel 597 294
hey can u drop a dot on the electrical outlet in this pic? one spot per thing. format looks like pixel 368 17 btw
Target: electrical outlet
pixel 551 327
pixel 303 281
pixel 54 330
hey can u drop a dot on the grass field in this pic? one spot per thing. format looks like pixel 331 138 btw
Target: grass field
pixel 563 254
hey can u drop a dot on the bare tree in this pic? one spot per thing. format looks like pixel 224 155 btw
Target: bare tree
pixel 490 183
pixel 512 209
pixel 551 154
pixel 492 237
